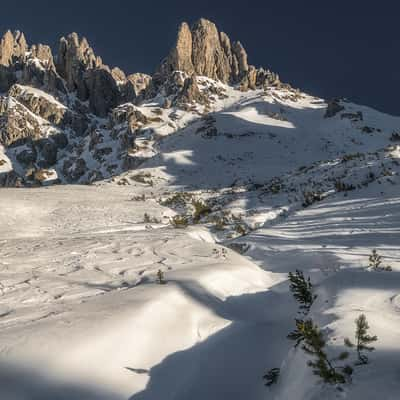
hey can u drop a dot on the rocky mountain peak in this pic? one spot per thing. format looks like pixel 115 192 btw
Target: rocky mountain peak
pixel 180 58
pixel 205 51
pixel 43 53
pixel 13 46
pixel 74 58
pixel 50 104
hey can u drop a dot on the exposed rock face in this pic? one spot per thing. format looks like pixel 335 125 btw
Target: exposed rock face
pixel 13 47
pixel 204 51
pixel 44 54
pixel 16 123
pixel 39 104
pixel 240 57
pixel 129 114
pixel 191 93
pixel 180 58
pixel 75 57
pixel 86 74
pixel 209 58
pixel 9 179
pixel 201 50
pixel 118 75
pixel 42 75
pixel 103 91
pixel 34 66
pixel 334 107
pixel 49 109
pixel 74 169
pixel 139 84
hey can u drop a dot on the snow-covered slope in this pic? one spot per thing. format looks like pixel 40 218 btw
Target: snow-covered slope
pixel 267 184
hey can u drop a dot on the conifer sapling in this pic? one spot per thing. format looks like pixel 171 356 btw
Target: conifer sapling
pixel 363 339
pixel 375 260
pixel 302 290
pixel 160 278
pixel 314 345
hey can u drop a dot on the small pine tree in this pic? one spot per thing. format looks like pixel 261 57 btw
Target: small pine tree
pixel 298 334
pixel 160 278
pixel 302 290
pixel 272 376
pixel 363 339
pixel 314 345
pixel 375 260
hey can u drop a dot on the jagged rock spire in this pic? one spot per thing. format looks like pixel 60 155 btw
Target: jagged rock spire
pixel 12 47
pixel 75 56
pixel 204 50
pixel 180 58
pixel 85 73
pixel 76 69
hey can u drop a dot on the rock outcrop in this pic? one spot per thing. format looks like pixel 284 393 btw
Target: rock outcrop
pixel 190 94
pixel 13 47
pixel 103 91
pixel 75 57
pixel 16 123
pixel 32 66
pixel 334 107
pixel 204 51
pixel 137 85
pixel 46 107
pixel 85 74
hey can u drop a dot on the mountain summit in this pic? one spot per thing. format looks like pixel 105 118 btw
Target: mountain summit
pixel 52 103
pixel 201 50
pixel 204 51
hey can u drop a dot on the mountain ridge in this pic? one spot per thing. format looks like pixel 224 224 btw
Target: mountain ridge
pixel 73 91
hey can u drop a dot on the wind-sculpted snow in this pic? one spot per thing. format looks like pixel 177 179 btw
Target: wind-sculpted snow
pixel 78 280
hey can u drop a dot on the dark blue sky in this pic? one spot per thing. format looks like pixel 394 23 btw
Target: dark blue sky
pixel 328 48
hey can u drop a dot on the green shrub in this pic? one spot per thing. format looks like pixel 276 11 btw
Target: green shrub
pixel 375 262
pixel 220 223
pixel 144 178
pixel 177 200
pixel 179 221
pixel 311 197
pixel 200 210
pixel 343 187
pixel 241 229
